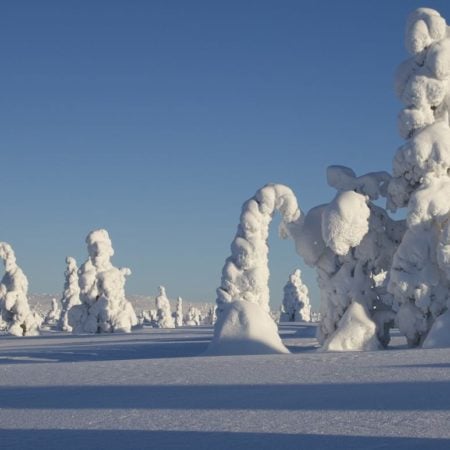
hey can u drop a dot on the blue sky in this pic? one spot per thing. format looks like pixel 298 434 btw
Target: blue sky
pixel 157 119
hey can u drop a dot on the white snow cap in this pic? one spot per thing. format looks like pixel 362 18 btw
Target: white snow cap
pixel 345 221
pixel 424 26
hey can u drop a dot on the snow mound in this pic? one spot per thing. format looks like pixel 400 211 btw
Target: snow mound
pixel 245 328
pixel 439 335
pixel 356 332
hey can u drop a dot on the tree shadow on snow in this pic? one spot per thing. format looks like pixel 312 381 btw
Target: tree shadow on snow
pixel 203 440
pixel 389 396
pixel 105 351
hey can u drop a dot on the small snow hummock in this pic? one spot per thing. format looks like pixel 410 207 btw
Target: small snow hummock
pixel 296 306
pixel 104 307
pixel 71 294
pixel 16 317
pixel 164 317
pixel 244 328
pixel 245 275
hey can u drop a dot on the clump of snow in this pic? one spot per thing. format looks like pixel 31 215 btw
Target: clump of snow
pixel 355 331
pixel 244 328
pixel 345 222
pixel 71 294
pixel 16 317
pixel 439 334
pixel 295 304
pixel 104 307
pixel 164 317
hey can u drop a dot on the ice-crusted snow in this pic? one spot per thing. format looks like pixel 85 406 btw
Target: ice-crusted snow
pixel 150 389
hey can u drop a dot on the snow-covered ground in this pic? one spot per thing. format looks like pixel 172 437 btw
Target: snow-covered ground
pixel 151 389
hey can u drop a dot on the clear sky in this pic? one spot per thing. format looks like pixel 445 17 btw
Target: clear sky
pixel 157 119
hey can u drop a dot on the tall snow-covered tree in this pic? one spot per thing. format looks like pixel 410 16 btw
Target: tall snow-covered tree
pixel 420 273
pixel 16 317
pixel 71 294
pixel 164 314
pixel 244 324
pixel 178 316
pixel 104 306
pixel 296 304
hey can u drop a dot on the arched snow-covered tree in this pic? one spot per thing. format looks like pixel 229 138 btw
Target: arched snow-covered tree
pixel 240 327
pixel 420 273
pixel 71 294
pixel 104 307
pixel 296 306
pixel 164 314
pixel 16 317
pixel 193 317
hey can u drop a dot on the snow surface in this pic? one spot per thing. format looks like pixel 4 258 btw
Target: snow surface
pixel 150 389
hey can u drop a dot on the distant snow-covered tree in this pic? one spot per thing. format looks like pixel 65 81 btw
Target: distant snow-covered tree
pixel 53 315
pixel 104 306
pixel 71 294
pixel 296 304
pixel 178 316
pixel 193 317
pixel 16 317
pixel 164 314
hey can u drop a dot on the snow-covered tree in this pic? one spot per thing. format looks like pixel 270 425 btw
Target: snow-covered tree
pixel 420 274
pixel 244 323
pixel 350 242
pixel 53 315
pixel 16 317
pixel 193 317
pixel 164 314
pixel 71 294
pixel 296 306
pixel 178 315
pixel 104 306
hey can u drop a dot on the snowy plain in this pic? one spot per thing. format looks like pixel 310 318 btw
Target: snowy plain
pixel 153 389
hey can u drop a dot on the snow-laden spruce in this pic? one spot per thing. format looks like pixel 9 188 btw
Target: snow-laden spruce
pixel 71 294
pixel 178 315
pixel 16 317
pixel 420 274
pixel 104 307
pixel 295 304
pixel 53 316
pixel 245 276
pixel 164 317
pixel 350 242
pixel 193 317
